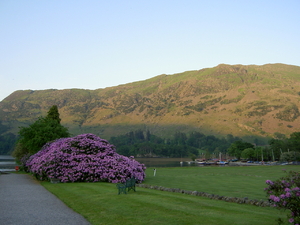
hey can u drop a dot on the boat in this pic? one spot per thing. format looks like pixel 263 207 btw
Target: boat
pixel 222 163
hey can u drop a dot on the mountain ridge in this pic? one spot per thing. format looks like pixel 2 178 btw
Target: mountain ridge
pixel 242 100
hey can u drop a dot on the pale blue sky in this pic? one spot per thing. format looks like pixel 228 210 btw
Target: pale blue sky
pixel 96 44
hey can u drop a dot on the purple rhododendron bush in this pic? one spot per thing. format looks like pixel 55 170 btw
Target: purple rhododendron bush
pixel 284 193
pixel 85 157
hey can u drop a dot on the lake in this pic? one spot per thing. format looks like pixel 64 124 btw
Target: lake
pixel 166 162
pixel 7 163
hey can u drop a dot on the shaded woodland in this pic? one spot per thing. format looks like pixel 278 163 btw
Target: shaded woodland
pixel 144 144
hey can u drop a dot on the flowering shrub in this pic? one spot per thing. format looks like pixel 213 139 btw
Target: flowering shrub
pixel 85 157
pixel 284 193
pixel 23 162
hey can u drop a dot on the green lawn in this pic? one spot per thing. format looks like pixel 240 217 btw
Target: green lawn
pixel 100 203
pixel 245 181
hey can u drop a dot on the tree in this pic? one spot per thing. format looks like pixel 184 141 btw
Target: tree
pixel 278 146
pixel 279 136
pixel 290 156
pixel 7 143
pixel 180 138
pixel 192 156
pixel 53 114
pixel 139 135
pixel 34 137
pixel 294 142
pixel 39 133
pixel 248 153
pixel 237 147
pixel 259 153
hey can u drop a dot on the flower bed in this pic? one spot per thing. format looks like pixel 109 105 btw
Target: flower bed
pixel 85 157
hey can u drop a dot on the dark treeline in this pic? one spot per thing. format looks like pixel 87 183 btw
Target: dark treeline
pixel 7 140
pixel 286 149
pixel 144 144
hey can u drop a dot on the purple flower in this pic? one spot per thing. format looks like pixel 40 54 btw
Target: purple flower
pixel 288 195
pixel 269 182
pixel 283 196
pixel 284 203
pixel 85 157
pixel 274 198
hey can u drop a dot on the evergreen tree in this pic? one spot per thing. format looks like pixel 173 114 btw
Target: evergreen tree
pixel 53 113
pixel 34 137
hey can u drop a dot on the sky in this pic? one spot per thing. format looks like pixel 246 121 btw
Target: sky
pixel 95 44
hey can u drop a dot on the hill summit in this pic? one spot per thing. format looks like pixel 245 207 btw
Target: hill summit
pixel 227 99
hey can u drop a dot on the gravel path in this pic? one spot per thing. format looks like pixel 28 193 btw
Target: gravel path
pixel 24 201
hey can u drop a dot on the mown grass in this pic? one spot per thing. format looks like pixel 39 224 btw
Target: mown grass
pixel 230 181
pixel 100 204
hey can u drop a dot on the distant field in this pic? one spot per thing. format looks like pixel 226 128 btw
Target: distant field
pixel 235 181
pixel 100 203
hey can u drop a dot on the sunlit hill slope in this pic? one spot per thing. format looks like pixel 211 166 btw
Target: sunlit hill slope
pixel 227 99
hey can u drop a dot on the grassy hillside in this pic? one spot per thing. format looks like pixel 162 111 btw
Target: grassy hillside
pixel 227 99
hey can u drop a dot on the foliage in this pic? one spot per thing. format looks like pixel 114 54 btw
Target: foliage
pixel 294 141
pixel 248 153
pixel 279 136
pixel 7 143
pixel 284 193
pixel 290 113
pixel 36 135
pixel 277 146
pixel 290 156
pixel 234 100
pixel 145 144
pixel 7 139
pixel 85 157
pixel 3 128
pixel 286 145
pixel 19 152
pixel 200 106
pixel 192 156
pixel 39 133
pixel 262 110
pixel 53 113
pixel 238 147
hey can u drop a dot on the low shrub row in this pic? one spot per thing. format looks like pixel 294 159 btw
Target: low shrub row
pixel 254 202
